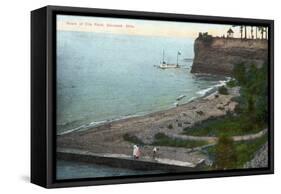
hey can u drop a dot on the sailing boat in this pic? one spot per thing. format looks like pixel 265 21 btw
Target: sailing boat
pixel 164 65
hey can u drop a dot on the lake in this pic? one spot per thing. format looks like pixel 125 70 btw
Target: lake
pixel 76 170
pixel 103 77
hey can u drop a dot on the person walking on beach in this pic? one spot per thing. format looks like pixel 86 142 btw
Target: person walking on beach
pixel 154 152
pixel 135 149
pixel 138 153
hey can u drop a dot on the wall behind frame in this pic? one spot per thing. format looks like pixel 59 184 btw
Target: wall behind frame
pixel 15 95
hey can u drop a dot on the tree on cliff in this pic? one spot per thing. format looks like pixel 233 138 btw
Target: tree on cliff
pixel 225 153
pixel 265 30
pixel 252 31
pixel 262 31
pixel 256 32
pixel 253 92
pixel 241 30
pixel 257 87
pixel 245 32
pixel 230 33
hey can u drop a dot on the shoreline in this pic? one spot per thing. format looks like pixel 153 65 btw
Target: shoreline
pixel 108 138
pixel 203 93
pixel 94 124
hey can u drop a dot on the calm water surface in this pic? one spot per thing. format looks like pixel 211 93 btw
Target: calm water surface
pixel 75 170
pixel 101 77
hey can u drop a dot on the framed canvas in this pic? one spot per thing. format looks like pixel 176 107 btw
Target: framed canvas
pixel 126 96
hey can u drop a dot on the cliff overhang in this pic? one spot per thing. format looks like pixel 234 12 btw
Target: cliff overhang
pixel 218 55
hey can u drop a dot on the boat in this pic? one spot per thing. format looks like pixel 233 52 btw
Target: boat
pixel 165 65
pixel 180 97
pixel 188 59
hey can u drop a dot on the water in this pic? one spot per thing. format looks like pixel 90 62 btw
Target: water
pixel 75 170
pixel 102 77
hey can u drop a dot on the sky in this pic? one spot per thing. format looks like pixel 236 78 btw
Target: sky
pixel 141 27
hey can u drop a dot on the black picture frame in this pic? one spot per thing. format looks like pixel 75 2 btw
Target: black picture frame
pixel 43 95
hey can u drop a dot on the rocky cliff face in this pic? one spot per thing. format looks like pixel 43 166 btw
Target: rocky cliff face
pixel 220 55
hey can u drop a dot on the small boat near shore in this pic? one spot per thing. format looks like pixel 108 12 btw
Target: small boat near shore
pixel 181 97
pixel 188 59
pixel 165 65
pixel 176 104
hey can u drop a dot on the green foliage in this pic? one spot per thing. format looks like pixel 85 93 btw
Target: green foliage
pixel 132 139
pixel 160 139
pixel 200 112
pixel 207 39
pixel 179 124
pixel 239 109
pixel 251 105
pixel 262 110
pixel 239 73
pixel 232 83
pixel 254 88
pixel 223 90
pixel 251 117
pixel 170 126
pixel 228 125
pixel 261 94
pixel 244 151
pixel 225 153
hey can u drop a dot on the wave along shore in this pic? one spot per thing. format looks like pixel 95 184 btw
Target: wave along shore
pixel 201 93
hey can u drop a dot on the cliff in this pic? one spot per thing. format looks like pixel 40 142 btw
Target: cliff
pixel 216 55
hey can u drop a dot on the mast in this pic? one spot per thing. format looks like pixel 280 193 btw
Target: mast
pixel 178 59
pixel 163 57
pixel 179 53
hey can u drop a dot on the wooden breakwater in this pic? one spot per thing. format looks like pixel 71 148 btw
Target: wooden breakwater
pixel 123 162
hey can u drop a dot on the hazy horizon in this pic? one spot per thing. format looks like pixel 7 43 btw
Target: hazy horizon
pixel 142 27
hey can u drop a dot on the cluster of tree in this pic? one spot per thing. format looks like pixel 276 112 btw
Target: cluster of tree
pixel 205 37
pixel 254 92
pixel 253 104
pixel 259 30
pixel 225 154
